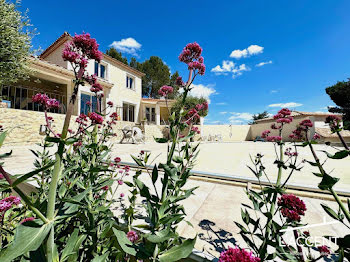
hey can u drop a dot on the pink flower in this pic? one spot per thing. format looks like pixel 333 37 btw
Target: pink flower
pixel 52 103
pixel 289 152
pixel 40 98
pixel 306 123
pixel 105 188
pixel 334 122
pixel 292 207
pixel 1 176
pixel 316 136
pixel 274 138
pixel 165 91
pixel 122 195
pixel 195 65
pixel 297 134
pixel 132 236
pixel 179 81
pixel 190 52
pixel 110 103
pixel 95 118
pixel 237 255
pixel 324 250
pixel 120 182
pixel 195 130
pixel 27 219
pixel 117 159
pixel 96 87
pixel 265 133
pixel 9 202
pixel 274 126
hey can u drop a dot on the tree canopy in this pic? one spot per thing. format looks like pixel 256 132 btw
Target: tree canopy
pixel 15 43
pixel 191 102
pixel 340 95
pixel 117 55
pixel 258 116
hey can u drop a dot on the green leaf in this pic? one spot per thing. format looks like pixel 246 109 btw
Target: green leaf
pixel 52 139
pixel 2 137
pixel 101 258
pixel 68 250
pixel 178 252
pixel 137 161
pixel 124 242
pixel 27 238
pixel 160 236
pixel 144 191
pixel 160 140
pixel 154 174
pixel 330 211
pixel 30 174
pixel 71 140
pixel 338 155
pixel 6 154
pixel 77 246
pixel 327 182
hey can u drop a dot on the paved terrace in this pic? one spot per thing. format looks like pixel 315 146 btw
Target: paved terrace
pixel 215 206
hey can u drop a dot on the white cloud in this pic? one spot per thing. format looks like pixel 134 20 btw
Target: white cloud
pixel 273 91
pixel 263 63
pixel 244 116
pixel 128 45
pixel 202 91
pixel 290 104
pixel 223 113
pixel 230 67
pixel 221 104
pixel 239 118
pixel 251 50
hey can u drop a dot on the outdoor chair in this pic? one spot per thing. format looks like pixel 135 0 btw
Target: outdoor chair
pixel 127 134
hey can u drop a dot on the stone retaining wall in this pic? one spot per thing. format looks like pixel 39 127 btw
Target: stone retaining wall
pixel 25 125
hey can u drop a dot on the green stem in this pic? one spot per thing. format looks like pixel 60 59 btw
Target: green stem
pixel 333 192
pixel 50 213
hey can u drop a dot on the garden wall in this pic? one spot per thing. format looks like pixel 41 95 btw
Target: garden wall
pixel 229 133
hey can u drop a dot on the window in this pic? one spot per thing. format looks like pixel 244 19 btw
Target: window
pixel 20 97
pixel 100 70
pixel 130 82
pixel 128 112
pixel 151 114
pixel 84 108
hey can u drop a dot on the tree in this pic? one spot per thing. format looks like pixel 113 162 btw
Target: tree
pixel 157 74
pixel 191 102
pixel 340 95
pixel 173 84
pixel 117 55
pixel 15 43
pixel 258 116
pixel 134 64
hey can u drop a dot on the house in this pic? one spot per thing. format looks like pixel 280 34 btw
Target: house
pixel 155 111
pixel 52 75
pixel 319 127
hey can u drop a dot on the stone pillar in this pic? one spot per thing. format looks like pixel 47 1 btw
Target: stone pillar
pixel 201 120
pixel 157 114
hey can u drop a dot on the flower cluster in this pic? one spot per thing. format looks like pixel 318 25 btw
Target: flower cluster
pixel 274 138
pixel 237 255
pixel 8 202
pixel 27 219
pixel 192 116
pixel 45 101
pixel 132 236
pixel 81 48
pixel 179 81
pixel 301 131
pixel 334 123
pixel 324 250
pixel 95 118
pixel 316 136
pixel 292 207
pixel 164 91
pixel 289 152
pixel 283 116
pixel 195 129
pixel 191 55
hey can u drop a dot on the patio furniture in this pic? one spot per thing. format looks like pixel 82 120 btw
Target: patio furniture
pixel 127 134
pixel 137 135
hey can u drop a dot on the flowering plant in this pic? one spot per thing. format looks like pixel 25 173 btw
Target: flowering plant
pixel 69 217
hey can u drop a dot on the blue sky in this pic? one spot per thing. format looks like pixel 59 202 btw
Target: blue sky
pixel 307 42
